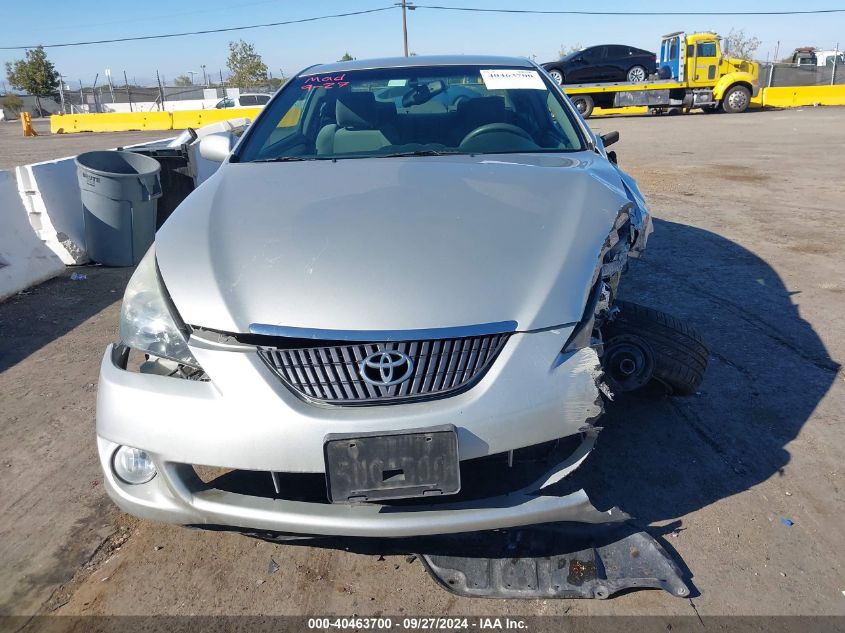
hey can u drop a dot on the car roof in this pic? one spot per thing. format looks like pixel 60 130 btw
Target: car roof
pixel 419 60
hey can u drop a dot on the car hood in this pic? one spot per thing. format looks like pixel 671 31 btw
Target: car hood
pixel 392 243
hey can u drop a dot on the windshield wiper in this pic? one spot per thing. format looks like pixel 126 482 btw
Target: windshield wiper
pixel 283 159
pixel 417 152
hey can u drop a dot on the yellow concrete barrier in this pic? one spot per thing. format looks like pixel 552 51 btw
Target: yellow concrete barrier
pixel 110 122
pixel 629 110
pixel 132 121
pixel 197 118
pixel 797 96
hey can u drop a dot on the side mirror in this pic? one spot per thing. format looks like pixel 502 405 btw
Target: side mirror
pixel 610 138
pixel 216 147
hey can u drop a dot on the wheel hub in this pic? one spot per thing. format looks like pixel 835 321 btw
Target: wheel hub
pixel 738 99
pixel 628 362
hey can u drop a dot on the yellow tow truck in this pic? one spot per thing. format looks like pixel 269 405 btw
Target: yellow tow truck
pixel 692 72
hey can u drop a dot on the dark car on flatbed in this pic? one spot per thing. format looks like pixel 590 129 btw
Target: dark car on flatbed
pixel 605 63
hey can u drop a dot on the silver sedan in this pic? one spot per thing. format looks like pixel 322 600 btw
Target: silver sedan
pixel 380 314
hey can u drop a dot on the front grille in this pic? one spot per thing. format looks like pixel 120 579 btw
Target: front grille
pixel 332 373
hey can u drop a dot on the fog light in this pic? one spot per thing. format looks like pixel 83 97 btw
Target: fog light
pixel 132 465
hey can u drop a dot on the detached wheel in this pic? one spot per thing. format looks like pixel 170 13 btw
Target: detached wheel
pixel 584 104
pixel 628 362
pixel 642 344
pixel 736 99
pixel 557 75
pixel 637 74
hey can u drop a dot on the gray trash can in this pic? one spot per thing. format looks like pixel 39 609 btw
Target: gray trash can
pixel 120 192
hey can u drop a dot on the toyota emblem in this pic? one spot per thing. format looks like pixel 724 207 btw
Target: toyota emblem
pixel 386 368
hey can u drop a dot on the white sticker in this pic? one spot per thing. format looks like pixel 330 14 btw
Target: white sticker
pixel 506 79
pixel 396 82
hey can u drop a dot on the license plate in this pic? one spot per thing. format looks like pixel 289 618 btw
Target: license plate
pixel 399 465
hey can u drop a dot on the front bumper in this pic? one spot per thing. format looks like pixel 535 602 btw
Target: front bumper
pixel 246 419
pixel 176 495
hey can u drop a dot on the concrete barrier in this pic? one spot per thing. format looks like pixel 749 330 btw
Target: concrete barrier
pixel 51 197
pixel 110 122
pixel 24 259
pixel 798 96
pixel 198 118
pixel 133 121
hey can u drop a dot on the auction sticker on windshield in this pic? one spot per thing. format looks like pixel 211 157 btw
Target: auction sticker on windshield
pixel 507 79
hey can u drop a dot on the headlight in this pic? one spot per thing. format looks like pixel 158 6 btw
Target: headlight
pixel 148 322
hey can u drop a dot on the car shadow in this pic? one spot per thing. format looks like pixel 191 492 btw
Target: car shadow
pixel 35 317
pixel 661 457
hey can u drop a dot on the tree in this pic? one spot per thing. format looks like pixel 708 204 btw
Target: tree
pixel 246 66
pixel 34 75
pixel 565 50
pixel 738 44
pixel 183 80
pixel 12 102
pixel 346 57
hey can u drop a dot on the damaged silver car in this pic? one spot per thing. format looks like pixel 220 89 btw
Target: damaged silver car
pixel 399 285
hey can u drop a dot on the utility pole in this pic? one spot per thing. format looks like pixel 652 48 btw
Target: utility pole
pixel 222 84
pixel 835 59
pixel 192 73
pixel 204 76
pixel 405 8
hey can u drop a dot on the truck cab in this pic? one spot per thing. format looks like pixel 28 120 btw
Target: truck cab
pixel 804 57
pixel 697 61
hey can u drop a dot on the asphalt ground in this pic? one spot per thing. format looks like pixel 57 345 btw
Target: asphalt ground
pixel 742 482
pixel 17 149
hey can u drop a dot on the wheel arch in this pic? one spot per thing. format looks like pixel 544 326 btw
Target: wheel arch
pixel 725 83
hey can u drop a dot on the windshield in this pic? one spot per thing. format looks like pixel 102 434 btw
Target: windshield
pixel 426 110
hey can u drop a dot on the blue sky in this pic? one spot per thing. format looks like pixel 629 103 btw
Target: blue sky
pixel 290 48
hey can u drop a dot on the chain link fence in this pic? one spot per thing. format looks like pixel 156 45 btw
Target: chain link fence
pixel 781 74
pixel 148 99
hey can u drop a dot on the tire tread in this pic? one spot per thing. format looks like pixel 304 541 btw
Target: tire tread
pixel 681 356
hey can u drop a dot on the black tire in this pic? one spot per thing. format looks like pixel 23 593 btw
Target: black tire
pixel 736 99
pixel 712 109
pixel 636 74
pixel 676 352
pixel 584 104
pixel 557 74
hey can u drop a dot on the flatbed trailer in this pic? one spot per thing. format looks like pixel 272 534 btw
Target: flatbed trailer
pixel 692 73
